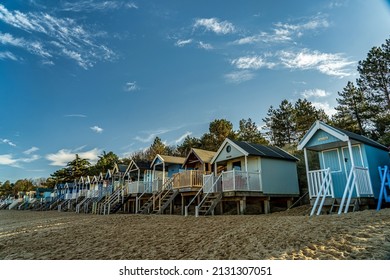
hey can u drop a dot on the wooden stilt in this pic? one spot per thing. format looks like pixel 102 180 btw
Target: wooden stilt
pixel 243 205
pixel 182 204
pixel 267 206
pixel 289 202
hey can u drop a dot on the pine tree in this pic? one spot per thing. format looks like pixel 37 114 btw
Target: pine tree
pixel 374 81
pixel 249 132
pixel 279 124
pixel 305 114
pixel 352 111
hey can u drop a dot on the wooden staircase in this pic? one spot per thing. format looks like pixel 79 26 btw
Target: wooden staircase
pixel 209 204
pixel 145 208
pixel 115 207
pixel 352 207
pixel 163 200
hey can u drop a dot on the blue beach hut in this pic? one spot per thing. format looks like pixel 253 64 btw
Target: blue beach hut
pixel 170 165
pixel 341 166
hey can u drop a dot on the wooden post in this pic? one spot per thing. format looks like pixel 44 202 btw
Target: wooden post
pixel 243 205
pixel 267 206
pixel 289 202
pixel 182 204
pixel 351 154
pixel 221 207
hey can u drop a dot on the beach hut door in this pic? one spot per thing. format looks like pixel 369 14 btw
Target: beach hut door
pixel 357 158
pixel 332 160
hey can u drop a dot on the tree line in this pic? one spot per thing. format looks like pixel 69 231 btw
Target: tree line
pixel 363 107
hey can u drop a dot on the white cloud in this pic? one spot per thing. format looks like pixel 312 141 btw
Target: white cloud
pixel 30 159
pixel 205 46
pixel 151 135
pixel 181 138
pixel 9 142
pixel 97 129
pixel 248 40
pixel 238 77
pixel 286 32
pixel 326 63
pixel 90 5
pixel 215 25
pixel 311 24
pixel 315 93
pixel 31 150
pixel 84 63
pixel 7 55
pixel 131 86
pixel 278 36
pixel 326 107
pixel 75 116
pixel 60 37
pixel 251 62
pixel 63 156
pixel 8 39
pixel 182 43
pixel 34 47
pixel 8 159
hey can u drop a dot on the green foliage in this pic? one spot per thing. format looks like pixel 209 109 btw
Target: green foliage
pixel 6 189
pixel 250 132
pixel 352 111
pixel 189 142
pixel 287 124
pixel 374 82
pixel 106 161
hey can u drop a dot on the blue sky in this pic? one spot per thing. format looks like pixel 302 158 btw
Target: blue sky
pixel 91 76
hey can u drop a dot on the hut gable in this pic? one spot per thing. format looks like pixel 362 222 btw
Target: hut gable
pixel 170 164
pixel 322 135
pixel 167 160
pixel 198 159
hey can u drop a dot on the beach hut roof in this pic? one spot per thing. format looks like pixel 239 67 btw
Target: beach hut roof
pixel 168 160
pixel 252 149
pixel 341 134
pixel 203 156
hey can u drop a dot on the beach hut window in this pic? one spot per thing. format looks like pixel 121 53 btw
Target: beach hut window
pixel 228 148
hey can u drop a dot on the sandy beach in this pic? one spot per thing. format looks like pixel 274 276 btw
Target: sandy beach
pixel 287 235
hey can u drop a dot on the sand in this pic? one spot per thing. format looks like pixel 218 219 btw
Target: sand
pixel 287 235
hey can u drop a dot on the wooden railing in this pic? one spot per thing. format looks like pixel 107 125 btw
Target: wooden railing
pixel 235 180
pixel 358 180
pixel 209 186
pixel 315 181
pixel 206 192
pixel 189 179
pixel 324 190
